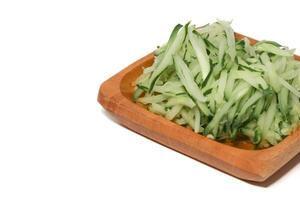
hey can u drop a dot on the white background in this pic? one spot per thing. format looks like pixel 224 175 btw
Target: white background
pixel 57 142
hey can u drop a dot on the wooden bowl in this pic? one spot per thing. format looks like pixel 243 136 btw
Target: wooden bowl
pixel 255 165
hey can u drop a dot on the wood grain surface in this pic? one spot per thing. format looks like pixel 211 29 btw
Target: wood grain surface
pixel 255 165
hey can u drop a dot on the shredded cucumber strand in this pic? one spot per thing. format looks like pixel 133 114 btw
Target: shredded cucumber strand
pixel 200 50
pixel 187 79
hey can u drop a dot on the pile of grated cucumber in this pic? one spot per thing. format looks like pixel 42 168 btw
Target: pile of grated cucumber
pixel 221 87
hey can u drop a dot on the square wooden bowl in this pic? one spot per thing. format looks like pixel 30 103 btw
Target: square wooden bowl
pixel 255 165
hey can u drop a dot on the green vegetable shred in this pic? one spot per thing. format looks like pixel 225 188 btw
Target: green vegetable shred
pixel 221 87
